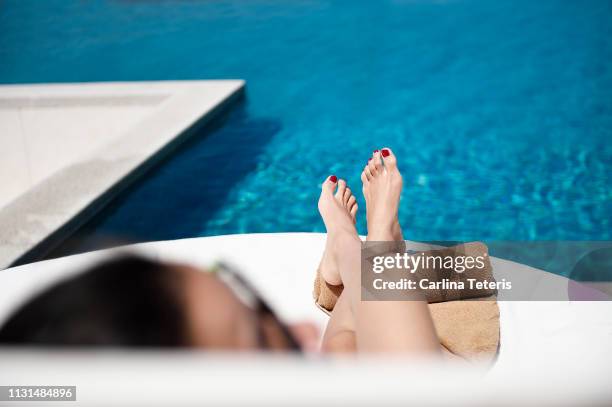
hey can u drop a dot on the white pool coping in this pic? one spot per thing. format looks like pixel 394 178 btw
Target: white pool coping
pixel 69 148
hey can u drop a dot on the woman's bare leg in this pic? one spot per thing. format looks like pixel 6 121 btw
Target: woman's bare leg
pixel 340 224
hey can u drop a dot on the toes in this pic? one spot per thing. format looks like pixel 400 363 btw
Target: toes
pixel 372 166
pixel 351 201
pixel 388 158
pixel 341 189
pixel 353 211
pixel 347 194
pixel 329 184
pixel 364 178
pixel 367 172
pixel 376 161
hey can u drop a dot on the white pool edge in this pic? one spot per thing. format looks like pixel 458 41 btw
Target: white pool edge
pixel 39 219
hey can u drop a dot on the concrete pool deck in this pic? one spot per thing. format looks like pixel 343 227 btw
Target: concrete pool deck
pixel 68 149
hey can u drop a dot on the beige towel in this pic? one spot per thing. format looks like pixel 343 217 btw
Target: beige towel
pixel 468 329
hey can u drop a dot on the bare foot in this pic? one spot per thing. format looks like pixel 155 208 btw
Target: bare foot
pixel 382 187
pixel 338 212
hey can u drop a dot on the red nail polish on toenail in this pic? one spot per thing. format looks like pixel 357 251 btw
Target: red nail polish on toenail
pixel 333 178
pixel 375 151
pixel 385 152
pixel 369 159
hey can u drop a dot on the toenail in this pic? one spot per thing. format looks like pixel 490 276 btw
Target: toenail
pixel 369 159
pixel 385 152
pixel 333 178
pixel 375 151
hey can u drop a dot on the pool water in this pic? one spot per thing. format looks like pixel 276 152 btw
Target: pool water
pixel 500 112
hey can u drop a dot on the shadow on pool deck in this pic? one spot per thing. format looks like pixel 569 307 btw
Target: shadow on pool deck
pixel 183 191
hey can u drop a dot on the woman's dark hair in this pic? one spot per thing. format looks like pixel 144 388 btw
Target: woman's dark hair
pixel 128 301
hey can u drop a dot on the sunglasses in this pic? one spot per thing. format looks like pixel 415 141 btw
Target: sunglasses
pixel 250 297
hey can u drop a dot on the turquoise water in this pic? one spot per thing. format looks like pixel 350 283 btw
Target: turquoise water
pixel 500 111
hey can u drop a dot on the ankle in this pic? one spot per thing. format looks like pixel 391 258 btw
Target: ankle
pixel 383 231
pixel 397 232
pixel 346 241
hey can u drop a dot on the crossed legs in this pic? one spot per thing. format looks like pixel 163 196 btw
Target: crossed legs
pixel 369 326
